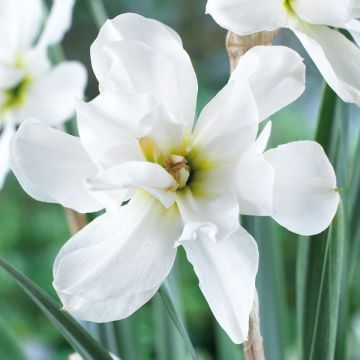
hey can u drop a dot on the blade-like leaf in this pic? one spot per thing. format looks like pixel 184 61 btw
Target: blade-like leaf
pixel 167 297
pixel 9 349
pixel 270 285
pixel 327 309
pixel 77 337
pixel 317 286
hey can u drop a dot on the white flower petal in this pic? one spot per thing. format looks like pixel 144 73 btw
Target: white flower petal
pixel 275 84
pixel 227 126
pixel 52 166
pixel 227 271
pixel 20 22
pixel 102 311
pixel 122 256
pixel 356 9
pixel 52 98
pixel 137 175
pixel 254 181
pixel 9 76
pixel 163 128
pixel 136 68
pixel 263 138
pixel 217 217
pixel 246 17
pixel 109 123
pixel 5 139
pixel 156 36
pixel 324 12
pixel 58 22
pixel 305 195
pixel 353 26
pixel 336 57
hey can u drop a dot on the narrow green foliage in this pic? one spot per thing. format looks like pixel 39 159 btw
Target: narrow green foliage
pixel 167 298
pixel 323 338
pixel 321 257
pixel 76 336
pixel 9 348
pixel 270 285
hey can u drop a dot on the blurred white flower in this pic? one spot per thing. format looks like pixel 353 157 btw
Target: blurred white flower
pixel 29 85
pixel 313 22
pixel 187 183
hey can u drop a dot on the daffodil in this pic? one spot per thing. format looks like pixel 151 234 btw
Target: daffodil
pixel 167 181
pixel 314 23
pixel 29 85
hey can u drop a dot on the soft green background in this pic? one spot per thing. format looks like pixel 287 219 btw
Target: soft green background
pixel 31 233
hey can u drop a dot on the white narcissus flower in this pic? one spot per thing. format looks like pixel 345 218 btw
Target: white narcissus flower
pixel 29 85
pixel 313 22
pixel 187 183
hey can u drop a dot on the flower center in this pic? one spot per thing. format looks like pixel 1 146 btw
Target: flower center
pixel 15 96
pixel 178 167
pixel 288 6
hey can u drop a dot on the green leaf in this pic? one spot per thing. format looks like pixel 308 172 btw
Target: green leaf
pixel 77 337
pixel 167 298
pixel 8 345
pixel 270 284
pixel 327 308
pixel 321 257
pixel 169 344
pixel 325 135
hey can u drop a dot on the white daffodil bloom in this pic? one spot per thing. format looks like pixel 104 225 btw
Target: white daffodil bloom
pixel 29 85
pixel 313 22
pixel 187 183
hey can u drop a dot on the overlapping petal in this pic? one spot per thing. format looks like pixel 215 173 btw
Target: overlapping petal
pixel 226 270
pixel 120 257
pixel 336 57
pixel 305 194
pixel 217 217
pixel 137 175
pixel 109 123
pixel 38 160
pixel 136 68
pixel 227 126
pixel 276 83
pixel 155 36
pixel 247 16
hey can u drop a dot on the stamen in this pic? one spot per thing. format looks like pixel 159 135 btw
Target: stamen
pixel 177 166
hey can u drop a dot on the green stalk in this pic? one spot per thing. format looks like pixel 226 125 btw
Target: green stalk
pixel 98 12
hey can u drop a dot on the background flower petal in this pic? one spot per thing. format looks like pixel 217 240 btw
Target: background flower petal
pixel 246 17
pixel 336 57
pixel 52 98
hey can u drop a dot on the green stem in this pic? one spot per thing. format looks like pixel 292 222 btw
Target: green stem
pixel 98 12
